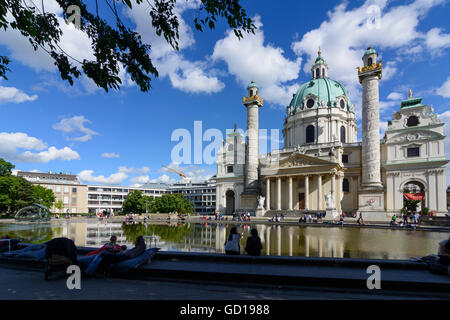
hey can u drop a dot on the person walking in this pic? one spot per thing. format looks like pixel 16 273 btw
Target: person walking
pixel 253 246
pixel 232 246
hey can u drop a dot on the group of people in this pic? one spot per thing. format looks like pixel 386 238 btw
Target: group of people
pixel 406 217
pixel 253 246
pixel 111 253
pixel 244 216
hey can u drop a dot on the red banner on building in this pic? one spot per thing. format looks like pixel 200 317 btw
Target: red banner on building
pixel 414 196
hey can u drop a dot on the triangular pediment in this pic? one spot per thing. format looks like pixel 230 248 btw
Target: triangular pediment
pixel 302 160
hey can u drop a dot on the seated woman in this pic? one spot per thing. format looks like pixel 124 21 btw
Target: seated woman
pixel 104 261
pixel 111 246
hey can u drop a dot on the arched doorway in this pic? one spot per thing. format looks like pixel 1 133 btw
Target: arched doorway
pixel 230 202
pixel 414 196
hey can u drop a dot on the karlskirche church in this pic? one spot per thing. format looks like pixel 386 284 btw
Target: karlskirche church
pixel 322 166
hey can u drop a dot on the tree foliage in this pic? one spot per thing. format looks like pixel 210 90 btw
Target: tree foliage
pixel 43 196
pixel 113 42
pixel 5 167
pixel 137 203
pixel 15 193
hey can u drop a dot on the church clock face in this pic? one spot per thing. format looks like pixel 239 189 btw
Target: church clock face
pixel 310 103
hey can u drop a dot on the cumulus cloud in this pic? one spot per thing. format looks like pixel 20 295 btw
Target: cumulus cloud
pixel 141 171
pixel 346 34
pixel 115 178
pixel 75 125
pixel 11 142
pixel 195 173
pixel 185 75
pixel 163 179
pixel 14 95
pixel 139 180
pixel 110 155
pixel 251 59
pixel 444 90
pixel 435 40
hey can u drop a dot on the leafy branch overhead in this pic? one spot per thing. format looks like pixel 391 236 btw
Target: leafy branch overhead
pixel 113 42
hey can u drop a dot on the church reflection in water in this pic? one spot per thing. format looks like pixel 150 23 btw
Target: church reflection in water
pixel 277 240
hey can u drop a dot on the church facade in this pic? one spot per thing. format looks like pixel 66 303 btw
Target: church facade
pixel 322 166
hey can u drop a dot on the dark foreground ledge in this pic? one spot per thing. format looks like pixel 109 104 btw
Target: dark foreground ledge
pixel 281 271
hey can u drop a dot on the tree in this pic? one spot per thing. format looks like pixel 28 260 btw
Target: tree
pixel 15 193
pixel 133 203
pixel 5 168
pixel 59 205
pixel 114 44
pixel 43 196
pixel 177 202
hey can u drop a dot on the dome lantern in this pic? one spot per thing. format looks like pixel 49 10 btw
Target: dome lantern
pixel 320 69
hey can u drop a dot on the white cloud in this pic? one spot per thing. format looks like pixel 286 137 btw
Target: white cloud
pixel 195 173
pixel 141 171
pixel 14 95
pixel 185 75
pixel 75 125
pixel 435 40
pixel 10 142
pixel 395 96
pixel 110 155
pixel 444 90
pixel 139 180
pixel 115 178
pixel 163 179
pixel 346 34
pixel 250 59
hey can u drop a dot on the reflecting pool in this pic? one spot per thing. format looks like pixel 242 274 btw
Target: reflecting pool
pixel 277 240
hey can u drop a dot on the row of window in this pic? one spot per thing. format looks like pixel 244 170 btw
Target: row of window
pixel 311 134
pixel 311 103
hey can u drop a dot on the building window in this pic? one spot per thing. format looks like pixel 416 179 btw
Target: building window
pixel 66 200
pixel 317 73
pixel 413 152
pixel 74 190
pixel 74 200
pixel 342 103
pixel 74 210
pixel 412 121
pixel 310 136
pixel 345 158
pixel 58 188
pixel 229 169
pixel 345 185
pixel 369 61
pixel 66 189
pixel 310 103
pixel 343 134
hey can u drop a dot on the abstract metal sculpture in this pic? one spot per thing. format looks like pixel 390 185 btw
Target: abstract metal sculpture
pixel 34 212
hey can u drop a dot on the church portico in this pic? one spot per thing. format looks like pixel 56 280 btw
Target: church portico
pixel 302 191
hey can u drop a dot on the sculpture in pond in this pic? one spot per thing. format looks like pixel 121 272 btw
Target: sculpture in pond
pixel 34 212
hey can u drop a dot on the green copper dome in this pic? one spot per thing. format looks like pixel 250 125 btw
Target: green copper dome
pixel 252 85
pixel 370 50
pixel 320 90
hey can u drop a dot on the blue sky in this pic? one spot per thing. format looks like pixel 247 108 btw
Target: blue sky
pixel 124 137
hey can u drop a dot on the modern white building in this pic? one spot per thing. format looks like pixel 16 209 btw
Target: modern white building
pixel 201 194
pixel 323 167
pixel 110 198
